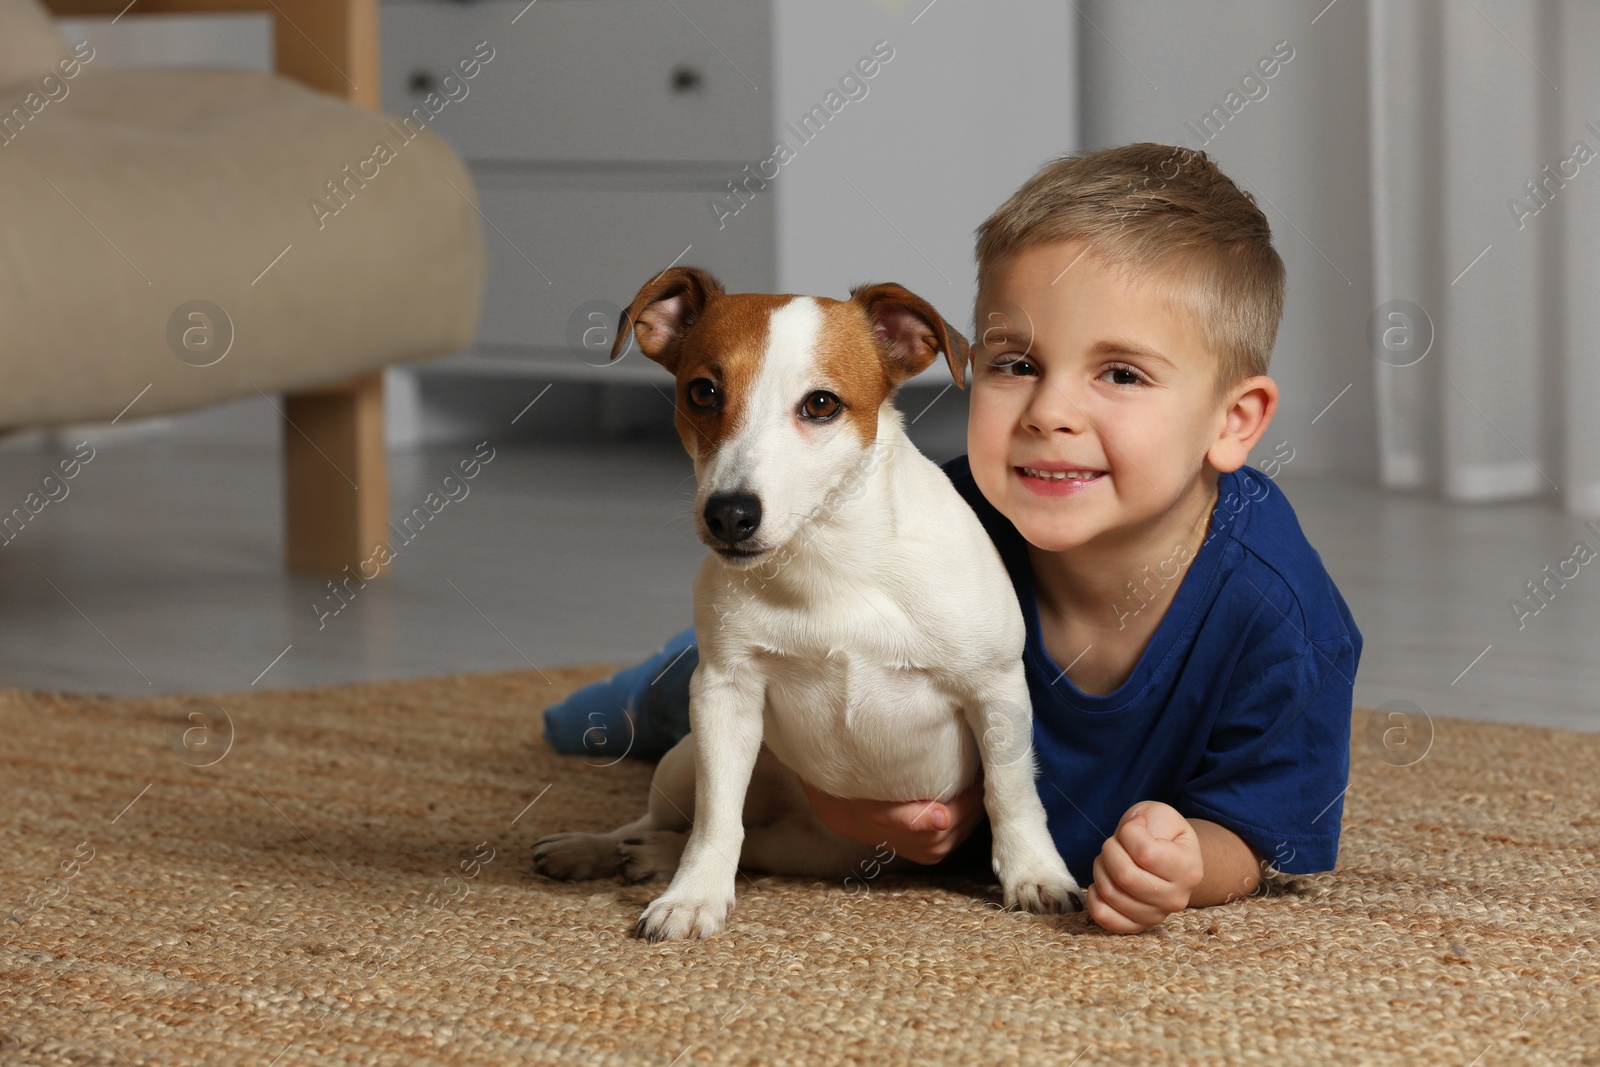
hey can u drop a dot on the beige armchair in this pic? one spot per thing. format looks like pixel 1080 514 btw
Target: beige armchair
pixel 170 239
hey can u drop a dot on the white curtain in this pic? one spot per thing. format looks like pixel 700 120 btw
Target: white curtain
pixel 1485 126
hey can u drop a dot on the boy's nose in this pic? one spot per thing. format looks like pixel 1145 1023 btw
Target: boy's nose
pixel 1053 408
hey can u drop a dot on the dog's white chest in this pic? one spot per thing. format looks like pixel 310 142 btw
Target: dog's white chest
pixel 859 725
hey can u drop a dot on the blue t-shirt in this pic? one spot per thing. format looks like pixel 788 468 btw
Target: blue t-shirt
pixel 1238 711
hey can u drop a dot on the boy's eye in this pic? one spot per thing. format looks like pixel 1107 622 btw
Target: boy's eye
pixel 1003 365
pixel 1123 376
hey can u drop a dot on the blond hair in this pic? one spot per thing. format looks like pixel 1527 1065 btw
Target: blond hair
pixel 1159 212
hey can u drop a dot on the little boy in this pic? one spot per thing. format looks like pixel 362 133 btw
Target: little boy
pixel 1190 661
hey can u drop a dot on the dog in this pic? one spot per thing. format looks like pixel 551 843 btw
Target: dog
pixel 856 626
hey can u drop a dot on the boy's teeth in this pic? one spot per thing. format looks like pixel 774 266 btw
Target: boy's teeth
pixel 1081 476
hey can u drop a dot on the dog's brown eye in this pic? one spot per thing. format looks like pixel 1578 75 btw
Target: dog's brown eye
pixel 821 406
pixel 702 393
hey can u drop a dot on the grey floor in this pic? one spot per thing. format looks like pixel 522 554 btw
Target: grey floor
pixel 160 571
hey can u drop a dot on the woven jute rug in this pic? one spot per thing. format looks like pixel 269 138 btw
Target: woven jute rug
pixel 342 875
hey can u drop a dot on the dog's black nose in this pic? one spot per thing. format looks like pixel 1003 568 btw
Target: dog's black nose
pixel 733 517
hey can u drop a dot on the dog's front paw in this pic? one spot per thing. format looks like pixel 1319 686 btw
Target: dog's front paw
pixel 575 856
pixel 1035 878
pixel 1050 895
pixel 674 919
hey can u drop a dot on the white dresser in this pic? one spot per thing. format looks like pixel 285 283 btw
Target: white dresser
pixel 792 145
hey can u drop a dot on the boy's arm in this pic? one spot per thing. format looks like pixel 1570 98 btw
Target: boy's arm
pixel 1232 868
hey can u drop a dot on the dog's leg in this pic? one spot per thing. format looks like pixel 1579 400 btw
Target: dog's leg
pixel 726 709
pixel 648 847
pixel 1030 870
pixel 784 835
pixel 805 846
pixel 654 851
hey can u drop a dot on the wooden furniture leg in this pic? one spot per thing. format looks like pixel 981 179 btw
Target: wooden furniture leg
pixel 330 45
pixel 335 479
pixel 336 489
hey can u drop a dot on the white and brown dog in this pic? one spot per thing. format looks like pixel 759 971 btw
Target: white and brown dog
pixel 855 624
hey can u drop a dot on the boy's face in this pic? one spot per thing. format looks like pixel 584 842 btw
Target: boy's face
pixel 1075 365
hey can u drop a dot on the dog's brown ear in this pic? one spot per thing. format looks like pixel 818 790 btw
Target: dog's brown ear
pixel 913 334
pixel 662 312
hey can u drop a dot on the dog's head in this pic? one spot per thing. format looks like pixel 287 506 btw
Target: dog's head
pixel 778 397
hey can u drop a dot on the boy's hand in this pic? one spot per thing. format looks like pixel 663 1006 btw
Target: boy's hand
pixel 1147 870
pixel 923 831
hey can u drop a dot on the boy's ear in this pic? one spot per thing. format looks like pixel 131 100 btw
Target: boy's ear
pixel 912 330
pixel 1246 413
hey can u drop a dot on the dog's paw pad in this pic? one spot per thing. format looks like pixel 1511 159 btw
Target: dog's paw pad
pixel 666 920
pixel 575 856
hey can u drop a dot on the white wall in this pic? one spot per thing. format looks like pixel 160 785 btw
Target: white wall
pixel 1150 66
pixel 976 98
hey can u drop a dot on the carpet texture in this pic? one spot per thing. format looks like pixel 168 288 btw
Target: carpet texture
pixel 342 875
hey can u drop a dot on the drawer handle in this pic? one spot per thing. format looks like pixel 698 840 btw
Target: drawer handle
pixel 686 79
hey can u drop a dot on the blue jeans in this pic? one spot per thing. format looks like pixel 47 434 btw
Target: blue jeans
pixel 641 711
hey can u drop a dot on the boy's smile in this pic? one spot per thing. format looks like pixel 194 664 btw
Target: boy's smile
pixel 1094 410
